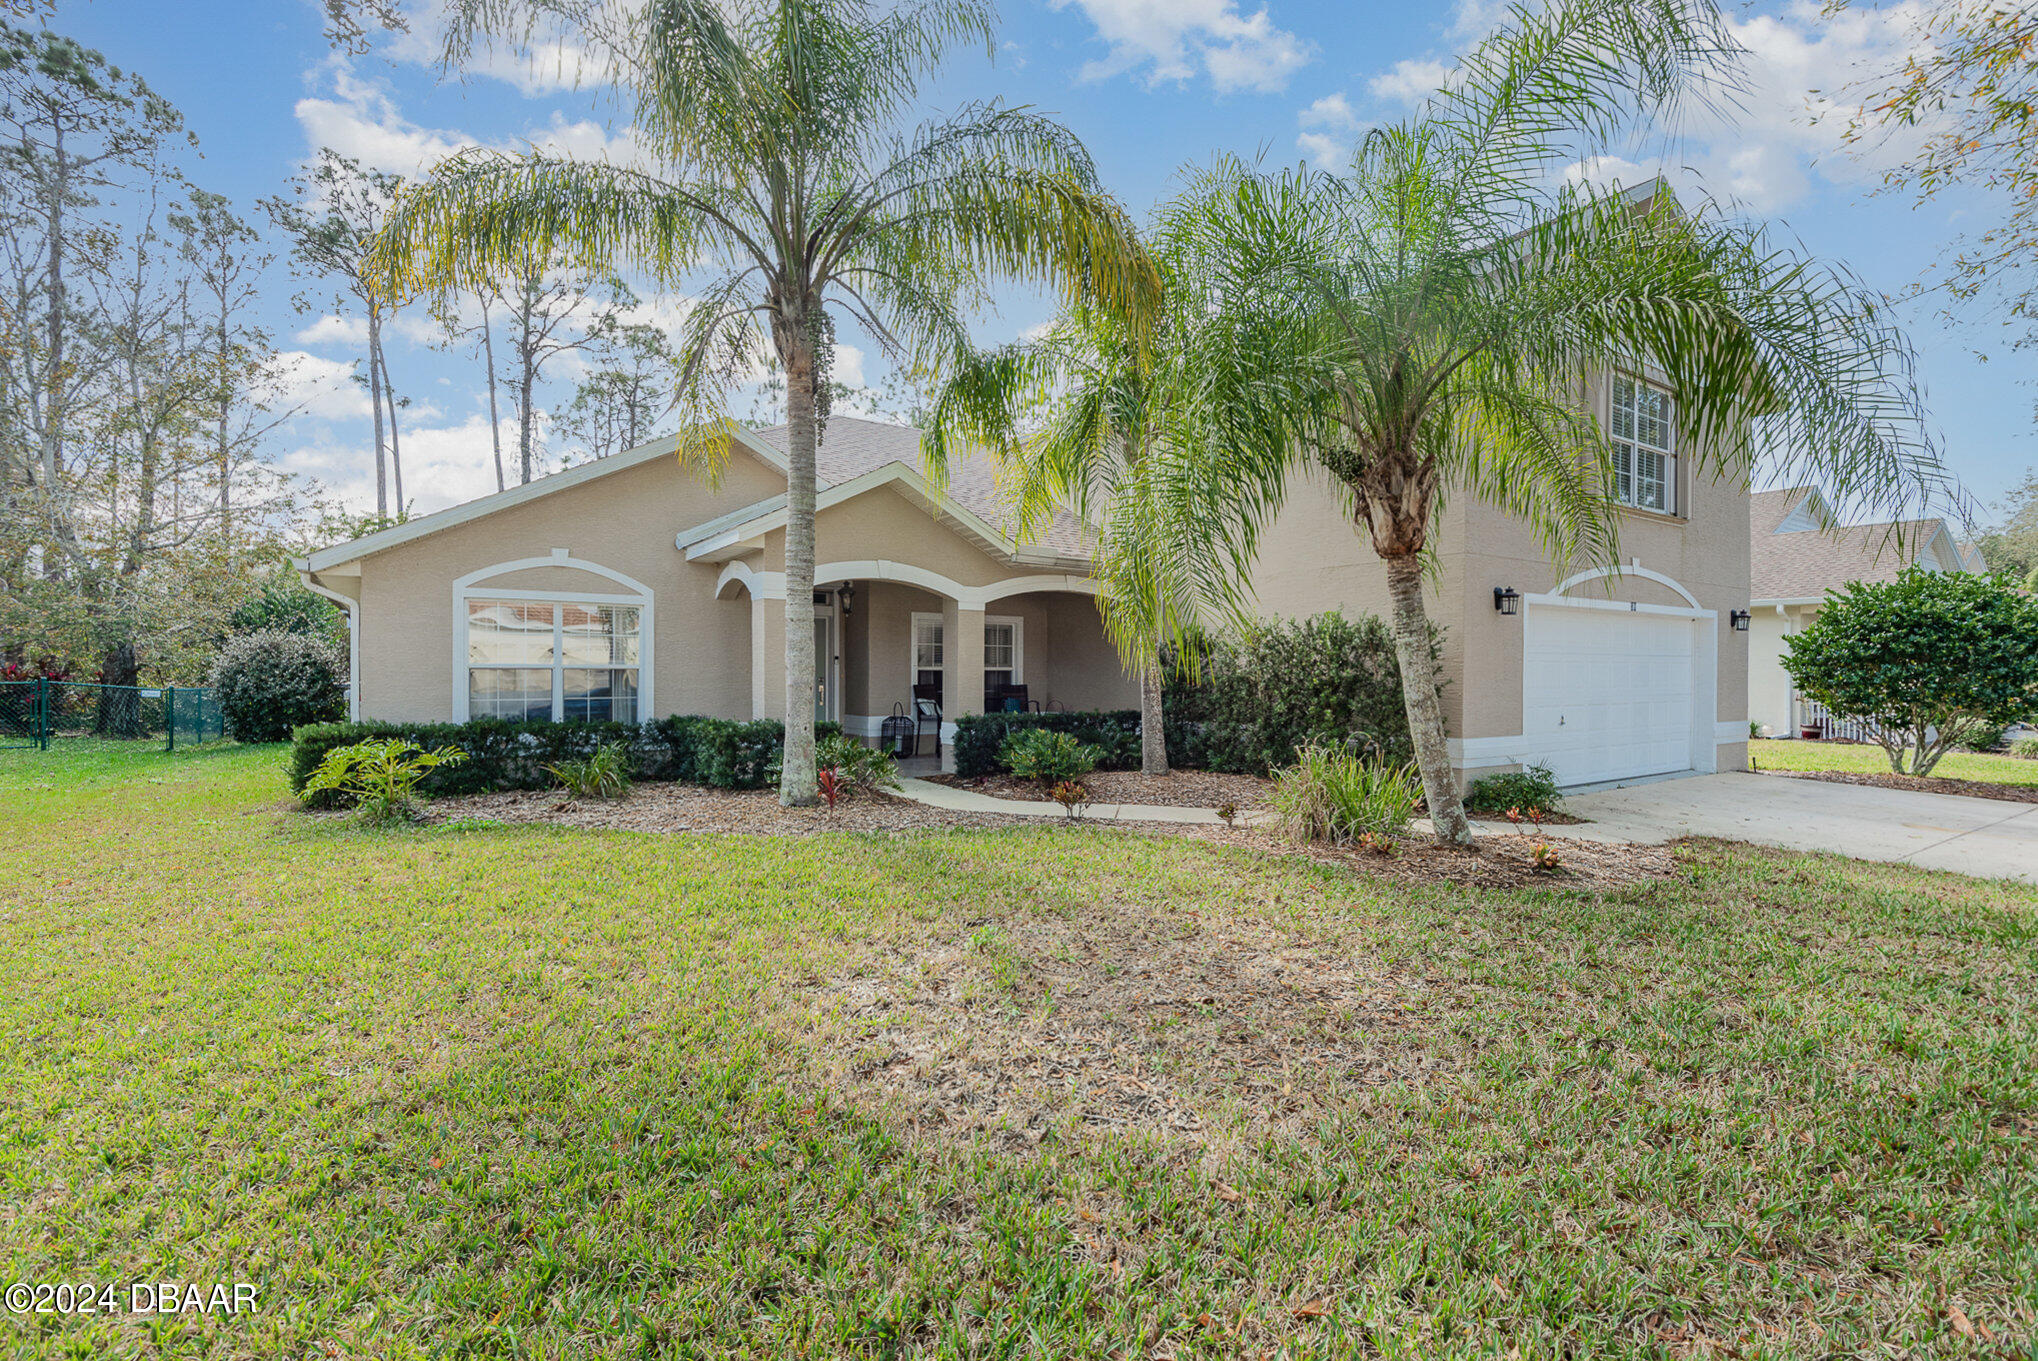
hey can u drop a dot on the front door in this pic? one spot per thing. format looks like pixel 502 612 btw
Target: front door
pixel 824 663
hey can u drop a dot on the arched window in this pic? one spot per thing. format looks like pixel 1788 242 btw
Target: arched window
pixel 564 655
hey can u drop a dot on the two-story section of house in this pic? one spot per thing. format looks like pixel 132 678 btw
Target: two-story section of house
pixel 1602 673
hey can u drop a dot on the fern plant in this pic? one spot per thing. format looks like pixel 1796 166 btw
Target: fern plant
pixel 602 774
pixel 378 778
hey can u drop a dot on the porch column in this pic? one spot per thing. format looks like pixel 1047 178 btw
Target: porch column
pixel 767 656
pixel 962 671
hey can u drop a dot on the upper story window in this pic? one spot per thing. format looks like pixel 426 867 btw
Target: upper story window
pixel 541 659
pixel 1644 446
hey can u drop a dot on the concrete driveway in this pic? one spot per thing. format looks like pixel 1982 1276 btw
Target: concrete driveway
pixel 1986 837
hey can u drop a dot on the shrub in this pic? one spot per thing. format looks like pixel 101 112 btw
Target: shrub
pixel 859 767
pixel 1535 787
pixel 1258 698
pixel 514 753
pixel 602 774
pixel 2026 747
pixel 1927 657
pixel 1073 796
pixel 1049 757
pixel 380 778
pixel 1983 737
pixel 269 683
pixel 980 738
pixel 1331 795
pixel 283 605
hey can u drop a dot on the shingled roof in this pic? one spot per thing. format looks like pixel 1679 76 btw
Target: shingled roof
pixel 1794 556
pixel 851 447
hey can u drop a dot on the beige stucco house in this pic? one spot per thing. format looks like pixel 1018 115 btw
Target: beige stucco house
pixel 1601 674
pixel 1799 552
pixel 633 588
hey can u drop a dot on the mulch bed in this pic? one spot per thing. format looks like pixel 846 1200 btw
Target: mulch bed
pixel 1923 784
pixel 1177 789
pixel 690 808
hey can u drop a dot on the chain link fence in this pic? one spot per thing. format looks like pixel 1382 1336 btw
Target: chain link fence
pixel 35 713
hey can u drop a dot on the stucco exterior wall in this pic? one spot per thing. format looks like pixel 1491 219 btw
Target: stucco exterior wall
pixel 1769 686
pixel 1315 559
pixel 624 521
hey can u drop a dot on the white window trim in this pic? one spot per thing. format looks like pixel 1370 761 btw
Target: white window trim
pixel 1673 459
pixel 1018 644
pixel 473 586
pixel 920 617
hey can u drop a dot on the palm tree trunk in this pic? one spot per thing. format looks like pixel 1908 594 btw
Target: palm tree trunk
pixel 1420 699
pixel 796 783
pixel 1153 736
pixel 488 365
pixel 375 401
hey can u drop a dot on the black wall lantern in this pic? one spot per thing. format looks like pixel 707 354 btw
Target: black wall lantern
pixel 1506 599
pixel 1739 619
pixel 846 594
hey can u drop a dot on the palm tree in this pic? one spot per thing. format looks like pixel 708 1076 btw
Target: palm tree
pixel 782 167
pixel 1429 322
pixel 1100 414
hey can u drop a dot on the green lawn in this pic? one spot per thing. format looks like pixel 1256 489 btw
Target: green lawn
pixel 1869 760
pixel 484 1091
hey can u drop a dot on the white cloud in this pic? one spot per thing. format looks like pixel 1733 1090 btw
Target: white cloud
pixel 359 118
pixel 1766 146
pixel 443 465
pixel 318 386
pixel 1178 39
pixel 1410 81
pixel 335 330
pixel 1330 129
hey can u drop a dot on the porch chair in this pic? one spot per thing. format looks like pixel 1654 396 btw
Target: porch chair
pixel 927 708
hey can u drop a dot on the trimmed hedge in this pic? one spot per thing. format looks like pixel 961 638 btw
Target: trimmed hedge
pixel 721 753
pixel 1328 681
pixel 980 738
pixel 1258 698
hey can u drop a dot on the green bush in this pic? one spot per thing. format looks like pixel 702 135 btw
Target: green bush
pixel 1047 756
pixel 864 768
pixel 378 778
pixel 1257 699
pixel 1535 787
pixel 1331 795
pixel 268 684
pixel 604 773
pixel 1984 737
pixel 980 738
pixel 1929 657
pixel 2026 747
pixel 513 754
pixel 283 605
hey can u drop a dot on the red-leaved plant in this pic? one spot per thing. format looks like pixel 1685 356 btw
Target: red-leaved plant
pixel 830 784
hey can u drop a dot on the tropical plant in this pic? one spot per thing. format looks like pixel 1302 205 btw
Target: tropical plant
pixel 2025 748
pixel 271 683
pixel 1535 787
pixel 1434 320
pixel 778 151
pixel 603 773
pixel 1091 416
pixel 1072 795
pixel 1331 795
pixel 379 778
pixel 1929 657
pixel 859 767
pixel 1047 756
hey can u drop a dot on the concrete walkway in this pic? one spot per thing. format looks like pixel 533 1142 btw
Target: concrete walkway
pixel 968 801
pixel 1990 838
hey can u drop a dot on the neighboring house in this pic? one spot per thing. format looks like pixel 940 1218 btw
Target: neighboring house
pixel 632 588
pixel 1799 552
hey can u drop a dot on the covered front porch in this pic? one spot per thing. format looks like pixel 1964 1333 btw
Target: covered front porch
pixel 892 638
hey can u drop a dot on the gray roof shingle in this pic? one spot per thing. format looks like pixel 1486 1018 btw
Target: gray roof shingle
pixel 851 447
pixel 1804 564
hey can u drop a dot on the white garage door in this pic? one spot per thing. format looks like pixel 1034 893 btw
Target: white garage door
pixel 1608 694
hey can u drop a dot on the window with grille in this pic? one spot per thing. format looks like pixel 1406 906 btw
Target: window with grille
pixel 1001 654
pixel 544 659
pixel 1644 448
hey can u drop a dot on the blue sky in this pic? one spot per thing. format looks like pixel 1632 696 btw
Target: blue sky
pixel 1150 85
